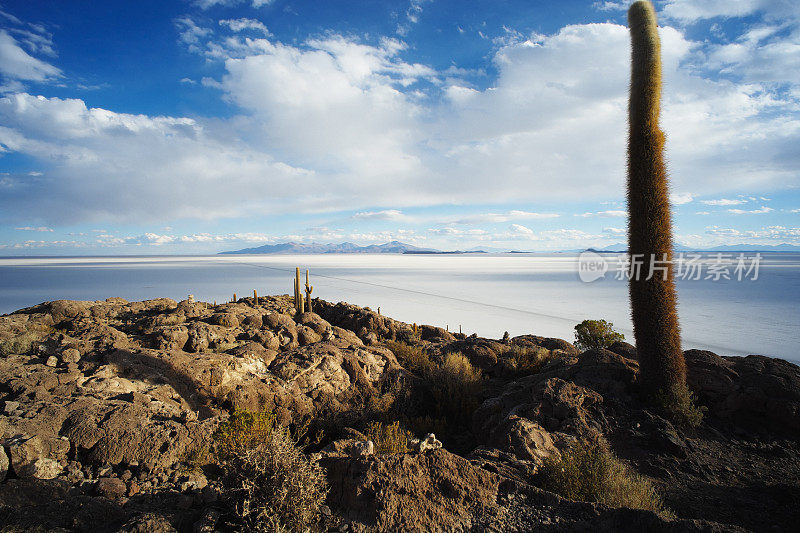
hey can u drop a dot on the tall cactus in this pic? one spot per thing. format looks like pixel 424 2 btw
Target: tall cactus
pixel 298 292
pixel 653 301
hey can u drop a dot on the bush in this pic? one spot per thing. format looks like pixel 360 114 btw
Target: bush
pixel 528 360
pixel 680 405
pixel 274 486
pixel 589 471
pixel 596 334
pixel 389 438
pixel 20 344
pixel 244 430
pixel 456 387
pixel 411 357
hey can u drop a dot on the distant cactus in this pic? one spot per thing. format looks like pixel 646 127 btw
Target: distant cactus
pixel 309 290
pixel 255 297
pixel 653 301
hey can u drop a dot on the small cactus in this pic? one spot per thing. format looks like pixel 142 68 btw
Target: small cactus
pixel 309 290
pixel 255 297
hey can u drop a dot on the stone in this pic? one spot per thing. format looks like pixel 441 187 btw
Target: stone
pixel 363 448
pixel 429 443
pixel 4 464
pixel 110 487
pixel 10 407
pixel 52 361
pixel 70 355
pixel 44 469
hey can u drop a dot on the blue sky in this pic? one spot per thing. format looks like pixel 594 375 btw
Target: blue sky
pixel 194 126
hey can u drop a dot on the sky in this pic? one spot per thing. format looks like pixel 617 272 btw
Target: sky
pixel 197 126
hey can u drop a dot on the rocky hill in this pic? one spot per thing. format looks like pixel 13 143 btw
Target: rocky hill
pixel 109 413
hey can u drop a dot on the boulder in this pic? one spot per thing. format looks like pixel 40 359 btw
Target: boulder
pixel 435 491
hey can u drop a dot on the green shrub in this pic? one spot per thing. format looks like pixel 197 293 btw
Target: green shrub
pixel 589 471
pixel 596 334
pixel 389 438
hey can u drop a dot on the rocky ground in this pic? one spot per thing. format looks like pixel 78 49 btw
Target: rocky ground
pixel 107 407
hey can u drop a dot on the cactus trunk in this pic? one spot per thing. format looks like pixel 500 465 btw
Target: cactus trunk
pixel 653 301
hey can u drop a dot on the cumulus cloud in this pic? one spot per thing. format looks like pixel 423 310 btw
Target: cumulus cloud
pixel 103 165
pixel 337 123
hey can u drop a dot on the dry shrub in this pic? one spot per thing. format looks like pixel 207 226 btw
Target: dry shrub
pixel 456 386
pixel 21 344
pixel 528 360
pixel 274 486
pixel 244 430
pixel 680 405
pixel 389 438
pixel 411 357
pixel 589 471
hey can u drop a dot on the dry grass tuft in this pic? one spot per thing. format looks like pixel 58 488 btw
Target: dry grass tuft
pixel 589 471
pixel 528 360
pixel 389 438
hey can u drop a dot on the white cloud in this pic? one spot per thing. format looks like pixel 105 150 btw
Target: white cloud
pixel 243 24
pixel 17 64
pixel 680 198
pixel 121 167
pixel 335 124
pixel 766 234
pixel 763 209
pixel 38 228
pixel 504 217
pixel 724 201
pixel 689 11
pixel 387 214
pixel 604 214
pixel 523 230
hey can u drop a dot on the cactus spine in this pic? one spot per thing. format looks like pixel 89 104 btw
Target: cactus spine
pixel 309 290
pixel 653 301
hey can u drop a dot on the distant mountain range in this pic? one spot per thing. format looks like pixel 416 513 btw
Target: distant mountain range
pixel 397 247
pixel 291 248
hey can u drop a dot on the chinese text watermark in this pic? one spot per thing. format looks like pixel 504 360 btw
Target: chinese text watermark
pixel 685 266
